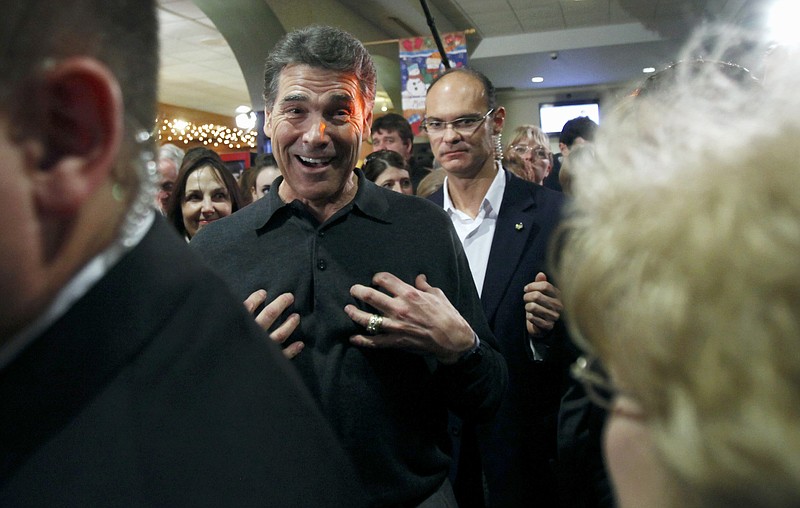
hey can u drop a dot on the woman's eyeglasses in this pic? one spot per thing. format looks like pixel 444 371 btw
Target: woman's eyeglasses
pixel 538 152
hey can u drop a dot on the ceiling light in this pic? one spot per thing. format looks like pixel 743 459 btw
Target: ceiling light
pixel 537 79
pixel 649 70
pixel 245 120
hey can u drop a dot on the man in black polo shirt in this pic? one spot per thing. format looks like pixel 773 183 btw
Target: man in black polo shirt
pixel 372 274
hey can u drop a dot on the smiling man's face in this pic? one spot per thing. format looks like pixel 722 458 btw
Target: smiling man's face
pixel 317 125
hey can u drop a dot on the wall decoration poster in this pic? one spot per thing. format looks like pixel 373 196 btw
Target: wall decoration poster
pixel 420 63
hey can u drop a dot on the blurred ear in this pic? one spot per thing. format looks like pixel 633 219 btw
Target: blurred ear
pixel 498 120
pixel 78 117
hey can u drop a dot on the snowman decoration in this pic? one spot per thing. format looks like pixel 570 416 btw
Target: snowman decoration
pixel 415 86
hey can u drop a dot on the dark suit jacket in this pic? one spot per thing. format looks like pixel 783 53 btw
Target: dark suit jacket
pixel 518 449
pixel 157 389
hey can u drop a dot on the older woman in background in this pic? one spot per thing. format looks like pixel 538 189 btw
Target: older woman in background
pixel 205 191
pixel 528 155
pixel 680 271
pixel 388 169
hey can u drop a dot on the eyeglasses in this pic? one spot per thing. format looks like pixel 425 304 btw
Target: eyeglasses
pixel 538 151
pixel 595 380
pixel 465 125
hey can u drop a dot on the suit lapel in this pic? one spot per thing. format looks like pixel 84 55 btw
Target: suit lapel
pixel 515 225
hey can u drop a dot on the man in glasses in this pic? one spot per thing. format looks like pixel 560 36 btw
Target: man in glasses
pixel 504 224
pixel 169 162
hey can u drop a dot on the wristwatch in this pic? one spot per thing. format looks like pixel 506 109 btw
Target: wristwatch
pixel 471 356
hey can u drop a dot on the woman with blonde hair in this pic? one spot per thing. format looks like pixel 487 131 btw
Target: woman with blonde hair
pixel 680 273
pixel 528 154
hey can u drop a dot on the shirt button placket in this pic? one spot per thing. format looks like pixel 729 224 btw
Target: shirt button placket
pixel 321 263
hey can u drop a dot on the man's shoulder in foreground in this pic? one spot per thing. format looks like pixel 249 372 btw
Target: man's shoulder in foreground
pixel 194 404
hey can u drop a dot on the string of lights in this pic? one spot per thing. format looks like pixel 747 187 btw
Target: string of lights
pixel 212 135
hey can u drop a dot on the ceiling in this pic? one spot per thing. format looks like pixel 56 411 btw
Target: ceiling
pixel 212 51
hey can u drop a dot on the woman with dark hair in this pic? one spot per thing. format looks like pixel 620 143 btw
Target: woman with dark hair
pixel 256 181
pixel 204 192
pixel 388 169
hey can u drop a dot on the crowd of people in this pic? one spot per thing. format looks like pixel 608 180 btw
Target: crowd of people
pixel 612 327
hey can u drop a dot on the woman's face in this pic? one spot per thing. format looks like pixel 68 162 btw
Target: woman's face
pixel 534 157
pixel 205 199
pixel 264 182
pixel 395 179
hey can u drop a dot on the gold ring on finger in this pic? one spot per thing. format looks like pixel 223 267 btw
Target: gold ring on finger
pixel 375 323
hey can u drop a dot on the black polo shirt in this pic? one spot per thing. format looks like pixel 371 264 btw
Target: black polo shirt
pixel 389 407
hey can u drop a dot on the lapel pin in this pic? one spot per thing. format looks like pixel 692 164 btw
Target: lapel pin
pixel 519 226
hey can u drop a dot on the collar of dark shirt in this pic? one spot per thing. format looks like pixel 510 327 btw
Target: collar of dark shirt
pixel 369 199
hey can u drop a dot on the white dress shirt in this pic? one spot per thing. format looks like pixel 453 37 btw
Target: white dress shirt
pixel 476 234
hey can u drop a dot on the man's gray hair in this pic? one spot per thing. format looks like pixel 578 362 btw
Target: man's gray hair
pixel 171 152
pixel 323 47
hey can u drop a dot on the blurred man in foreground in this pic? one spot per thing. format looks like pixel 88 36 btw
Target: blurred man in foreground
pixel 129 376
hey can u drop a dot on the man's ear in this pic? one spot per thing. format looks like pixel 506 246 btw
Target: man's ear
pixel 78 114
pixel 268 123
pixel 499 120
pixel 366 133
pixel 409 147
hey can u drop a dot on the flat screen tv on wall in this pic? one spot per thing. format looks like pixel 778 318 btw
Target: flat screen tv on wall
pixel 553 115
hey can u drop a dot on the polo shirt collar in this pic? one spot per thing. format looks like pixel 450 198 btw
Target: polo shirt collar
pixel 369 200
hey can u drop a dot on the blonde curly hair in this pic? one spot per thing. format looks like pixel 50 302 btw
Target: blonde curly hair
pixel 679 267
